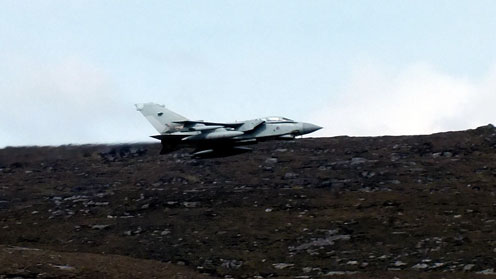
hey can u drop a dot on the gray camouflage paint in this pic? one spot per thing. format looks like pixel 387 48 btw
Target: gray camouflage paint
pixel 176 131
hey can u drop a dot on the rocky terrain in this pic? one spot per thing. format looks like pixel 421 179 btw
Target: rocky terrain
pixel 342 207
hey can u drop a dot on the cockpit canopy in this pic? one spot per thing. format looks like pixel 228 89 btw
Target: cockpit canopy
pixel 272 119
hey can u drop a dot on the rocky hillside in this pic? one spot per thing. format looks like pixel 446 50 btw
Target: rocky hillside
pixel 342 207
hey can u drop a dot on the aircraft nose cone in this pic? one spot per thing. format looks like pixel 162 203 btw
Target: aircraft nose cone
pixel 309 128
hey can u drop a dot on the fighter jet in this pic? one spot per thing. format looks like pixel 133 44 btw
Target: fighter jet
pixel 217 139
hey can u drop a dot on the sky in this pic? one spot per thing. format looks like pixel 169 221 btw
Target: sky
pixel 71 71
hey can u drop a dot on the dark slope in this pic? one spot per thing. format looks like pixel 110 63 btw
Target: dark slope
pixel 411 207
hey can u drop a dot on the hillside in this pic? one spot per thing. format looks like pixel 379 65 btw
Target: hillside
pixel 345 207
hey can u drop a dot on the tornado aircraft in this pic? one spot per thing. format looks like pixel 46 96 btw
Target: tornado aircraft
pixel 218 139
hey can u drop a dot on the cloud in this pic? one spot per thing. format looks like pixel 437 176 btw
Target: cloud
pixel 76 101
pixel 59 103
pixel 418 99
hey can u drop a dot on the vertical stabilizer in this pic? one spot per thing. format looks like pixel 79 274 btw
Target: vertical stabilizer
pixel 160 117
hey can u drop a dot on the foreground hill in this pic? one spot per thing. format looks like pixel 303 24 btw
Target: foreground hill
pixel 370 207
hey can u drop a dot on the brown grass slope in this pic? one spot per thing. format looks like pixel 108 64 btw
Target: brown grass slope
pixel 19 262
pixel 364 207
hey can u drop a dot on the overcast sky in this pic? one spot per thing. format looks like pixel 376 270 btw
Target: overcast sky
pixel 70 71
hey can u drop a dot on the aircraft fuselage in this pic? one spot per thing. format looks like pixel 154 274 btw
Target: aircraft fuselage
pixel 177 131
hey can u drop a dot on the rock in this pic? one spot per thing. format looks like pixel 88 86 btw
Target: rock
pixel 271 161
pixel 306 269
pixel 489 271
pixel 326 183
pixel 57 213
pixel 324 168
pixel 100 227
pixel 282 265
pixel 367 174
pixel 101 203
pixel 437 265
pixel 333 273
pixel 290 175
pixel 468 267
pixel 328 241
pixel 63 267
pixel 190 204
pixel 420 266
pixel 231 264
pixel 395 157
pixel 399 263
pixel 138 230
pixel 120 152
pixel 358 161
pixel 332 232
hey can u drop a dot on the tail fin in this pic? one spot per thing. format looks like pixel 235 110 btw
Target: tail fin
pixel 161 118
